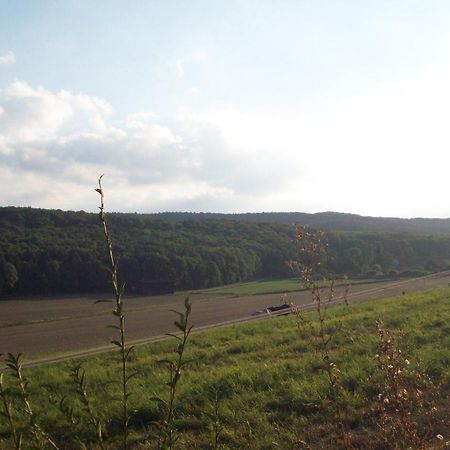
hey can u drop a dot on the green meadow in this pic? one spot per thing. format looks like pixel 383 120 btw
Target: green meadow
pixel 259 287
pixel 256 287
pixel 267 376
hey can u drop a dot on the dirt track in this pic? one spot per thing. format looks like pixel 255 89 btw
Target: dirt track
pixel 44 326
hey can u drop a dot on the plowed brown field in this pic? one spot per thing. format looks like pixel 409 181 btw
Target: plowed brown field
pixel 70 325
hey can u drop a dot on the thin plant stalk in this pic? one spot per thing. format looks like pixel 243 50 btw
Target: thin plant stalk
pixel 314 246
pixel 40 436
pixel 167 433
pixel 218 428
pixel 119 289
pixel 176 370
pixel 7 410
pixel 79 377
pixel 403 391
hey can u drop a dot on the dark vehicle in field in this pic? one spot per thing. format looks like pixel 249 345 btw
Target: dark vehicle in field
pixel 285 308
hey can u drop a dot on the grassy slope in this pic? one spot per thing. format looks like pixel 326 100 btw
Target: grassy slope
pixel 268 373
pixel 252 288
pixel 259 287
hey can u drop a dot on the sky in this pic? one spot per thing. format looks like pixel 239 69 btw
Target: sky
pixel 226 106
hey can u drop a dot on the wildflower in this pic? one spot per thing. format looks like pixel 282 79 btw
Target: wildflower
pixel 407 362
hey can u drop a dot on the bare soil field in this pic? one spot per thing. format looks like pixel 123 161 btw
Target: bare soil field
pixel 37 327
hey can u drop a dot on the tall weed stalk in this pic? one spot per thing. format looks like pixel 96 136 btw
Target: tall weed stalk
pixel 119 289
pixel 313 249
pixel 218 428
pixel 80 382
pixel 41 438
pixel 168 435
pixel 8 414
pixel 402 392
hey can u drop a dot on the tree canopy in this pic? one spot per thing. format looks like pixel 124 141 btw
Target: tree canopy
pixel 53 251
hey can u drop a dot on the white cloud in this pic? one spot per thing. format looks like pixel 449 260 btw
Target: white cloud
pixel 382 153
pixel 36 114
pixel 51 138
pixel 7 57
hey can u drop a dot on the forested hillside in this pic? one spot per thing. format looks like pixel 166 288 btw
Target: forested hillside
pixel 330 221
pixel 52 251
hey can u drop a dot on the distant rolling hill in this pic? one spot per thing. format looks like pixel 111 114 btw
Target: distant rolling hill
pixel 326 220
pixel 330 221
pixel 51 251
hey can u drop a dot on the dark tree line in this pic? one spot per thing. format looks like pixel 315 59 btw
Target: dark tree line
pixel 52 251
pixel 328 221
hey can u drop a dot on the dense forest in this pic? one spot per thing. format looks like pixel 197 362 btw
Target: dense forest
pixel 52 251
pixel 330 221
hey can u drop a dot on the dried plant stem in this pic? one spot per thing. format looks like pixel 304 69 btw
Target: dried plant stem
pixel 118 312
pixel 8 414
pixel 314 246
pixel 218 428
pixel 330 368
pixel 402 392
